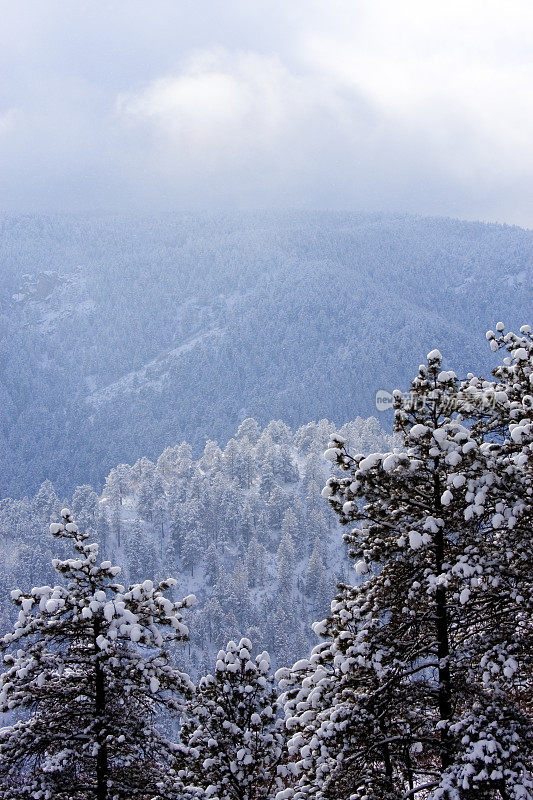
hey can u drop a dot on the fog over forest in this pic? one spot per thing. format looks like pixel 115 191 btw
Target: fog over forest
pixel 127 335
pixel 266 400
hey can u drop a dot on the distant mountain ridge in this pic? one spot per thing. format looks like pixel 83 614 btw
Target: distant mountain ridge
pixel 122 336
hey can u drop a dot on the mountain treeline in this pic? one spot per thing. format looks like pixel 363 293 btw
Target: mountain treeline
pixel 421 684
pixel 122 336
pixel 244 528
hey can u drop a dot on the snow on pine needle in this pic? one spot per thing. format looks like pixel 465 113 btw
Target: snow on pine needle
pixel 423 680
pixel 88 669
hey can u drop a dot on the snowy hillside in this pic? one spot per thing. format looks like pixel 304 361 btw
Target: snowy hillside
pixel 244 528
pixel 126 335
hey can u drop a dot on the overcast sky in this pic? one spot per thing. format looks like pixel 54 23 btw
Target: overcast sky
pixel 418 106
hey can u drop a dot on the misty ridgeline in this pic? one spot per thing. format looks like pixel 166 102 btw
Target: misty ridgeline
pixel 249 604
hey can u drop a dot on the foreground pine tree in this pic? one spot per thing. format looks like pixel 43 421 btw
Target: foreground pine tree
pixel 233 737
pixel 423 684
pixel 87 670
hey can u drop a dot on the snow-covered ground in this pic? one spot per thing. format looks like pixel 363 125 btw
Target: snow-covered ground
pixel 154 374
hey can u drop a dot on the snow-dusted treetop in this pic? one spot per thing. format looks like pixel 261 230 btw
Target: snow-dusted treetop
pixel 89 663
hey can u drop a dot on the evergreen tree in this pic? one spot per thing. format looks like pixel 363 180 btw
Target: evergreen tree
pixel 313 469
pixel 158 520
pixel 276 507
pixel 325 592
pixel 317 527
pixel 191 549
pixel 116 525
pixel 45 501
pixel 278 431
pixel 139 552
pixel 285 558
pixel 285 630
pixel 256 561
pixel 85 506
pixel 103 528
pixel 231 512
pixel 87 669
pixel 254 505
pixel 117 483
pixel 291 526
pixel 176 526
pixel 31 561
pixel 312 498
pixel 314 574
pixel 212 457
pixel 232 461
pixel 423 683
pixel 232 736
pixel 145 500
pixel 212 565
pixel 262 530
pixel 238 595
pixel 158 488
pixel 249 429
pixel 212 618
pixel 246 523
pixel 183 460
pixel 284 464
pixel 267 482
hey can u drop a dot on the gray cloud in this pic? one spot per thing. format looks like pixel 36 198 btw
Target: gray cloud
pixel 412 106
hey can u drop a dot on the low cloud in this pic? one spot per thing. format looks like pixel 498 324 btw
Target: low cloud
pixel 221 105
pixel 404 107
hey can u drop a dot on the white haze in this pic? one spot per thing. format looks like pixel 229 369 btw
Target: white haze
pixel 148 106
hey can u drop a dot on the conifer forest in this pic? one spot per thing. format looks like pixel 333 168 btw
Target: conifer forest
pixel 266 400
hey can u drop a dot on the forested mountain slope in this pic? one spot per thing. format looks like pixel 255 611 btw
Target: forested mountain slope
pixel 243 527
pixel 122 336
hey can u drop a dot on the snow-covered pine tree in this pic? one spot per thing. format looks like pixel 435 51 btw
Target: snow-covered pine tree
pixel 232 735
pixel 139 552
pixel 256 563
pixel 117 525
pixel 212 565
pixel 145 500
pixel 87 668
pixel 502 410
pixel 191 549
pixel 285 558
pixel 414 692
pixel 502 500
pixel 291 526
pixel 314 574
pixel 46 501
